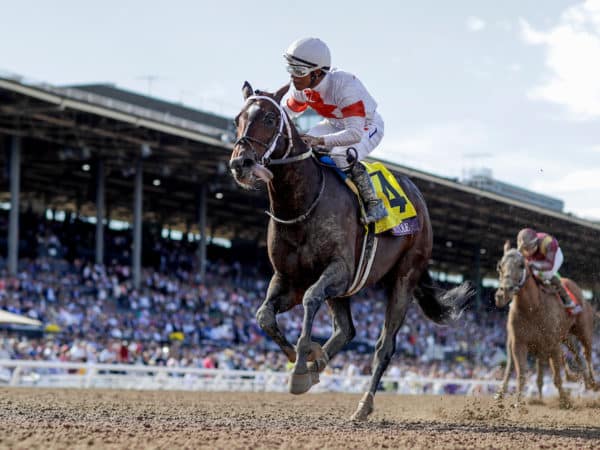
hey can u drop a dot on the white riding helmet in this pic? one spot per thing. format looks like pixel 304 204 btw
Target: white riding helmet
pixel 307 55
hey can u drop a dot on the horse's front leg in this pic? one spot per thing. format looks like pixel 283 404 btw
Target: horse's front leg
pixel 332 283
pixel 520 359
pixel 280 298
pixel 509 357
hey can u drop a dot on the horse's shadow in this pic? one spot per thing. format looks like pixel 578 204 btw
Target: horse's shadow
pixel 587 433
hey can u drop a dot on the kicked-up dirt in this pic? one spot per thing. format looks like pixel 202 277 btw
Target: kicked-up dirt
pixel 59 419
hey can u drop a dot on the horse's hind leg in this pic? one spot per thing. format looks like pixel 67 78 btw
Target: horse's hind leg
pixel 573 347
pixel 539 364
pixel 397 305
pixel 584 330
pixel 343 332
pixel 280 298
pixel 589 377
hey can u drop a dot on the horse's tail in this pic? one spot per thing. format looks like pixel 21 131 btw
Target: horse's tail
pixel 442 306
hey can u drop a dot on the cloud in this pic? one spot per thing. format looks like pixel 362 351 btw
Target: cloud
pixel 439 148
pixel 572 59
pixel 576 181
pixel 475 24
pixel 588 213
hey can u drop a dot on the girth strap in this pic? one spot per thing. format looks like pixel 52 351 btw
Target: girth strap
pixel 367 256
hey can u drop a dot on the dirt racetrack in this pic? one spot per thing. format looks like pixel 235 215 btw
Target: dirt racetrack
pixel 58 419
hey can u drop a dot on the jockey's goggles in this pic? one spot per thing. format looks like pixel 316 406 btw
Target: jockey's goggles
pixel 299 71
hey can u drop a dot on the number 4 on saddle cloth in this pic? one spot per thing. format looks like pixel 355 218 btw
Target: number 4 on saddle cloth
pixel 402 217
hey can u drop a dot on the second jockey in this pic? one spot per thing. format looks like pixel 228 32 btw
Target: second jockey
pixel 350 119
pixel 544 255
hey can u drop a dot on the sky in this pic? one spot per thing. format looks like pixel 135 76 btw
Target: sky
pixel 513 86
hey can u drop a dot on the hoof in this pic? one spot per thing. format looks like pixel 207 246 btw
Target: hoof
pixel 365 407
pixel 498 396
pixel 565 403
pixel 301 382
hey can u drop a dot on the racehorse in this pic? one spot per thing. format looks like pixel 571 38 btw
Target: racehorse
pixel 538 324
pixel 314 239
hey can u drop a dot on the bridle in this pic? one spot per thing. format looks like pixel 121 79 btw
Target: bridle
pixel 271 146
pixel 516 288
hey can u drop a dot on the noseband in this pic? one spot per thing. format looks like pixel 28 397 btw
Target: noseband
pixel 272 144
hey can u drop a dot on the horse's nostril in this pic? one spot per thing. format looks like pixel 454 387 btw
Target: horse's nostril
pixel 248 162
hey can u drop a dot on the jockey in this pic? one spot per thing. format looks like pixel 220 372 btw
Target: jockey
pixel 350 119
pixel 544 255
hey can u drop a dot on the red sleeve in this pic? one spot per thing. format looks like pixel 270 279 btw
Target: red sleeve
pixel 295 105
pixel 354 110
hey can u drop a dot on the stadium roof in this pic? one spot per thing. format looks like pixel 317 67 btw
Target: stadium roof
pixel 63 128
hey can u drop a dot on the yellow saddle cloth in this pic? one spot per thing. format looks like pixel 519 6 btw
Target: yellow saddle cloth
pixel 398 206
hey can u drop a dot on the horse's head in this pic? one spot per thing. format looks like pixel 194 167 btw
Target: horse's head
pixel 512 272
pixel 263 131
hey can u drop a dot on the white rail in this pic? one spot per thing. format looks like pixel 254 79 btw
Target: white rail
pixel 120 376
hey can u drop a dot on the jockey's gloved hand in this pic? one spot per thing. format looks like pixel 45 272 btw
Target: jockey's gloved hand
pixel 313 141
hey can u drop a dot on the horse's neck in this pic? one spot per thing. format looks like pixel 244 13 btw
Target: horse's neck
pixel 294 186
pixel 529 298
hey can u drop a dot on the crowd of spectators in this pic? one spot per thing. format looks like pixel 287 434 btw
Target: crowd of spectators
pixel 93 313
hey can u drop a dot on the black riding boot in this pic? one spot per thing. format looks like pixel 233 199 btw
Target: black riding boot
pixel 562 292
pixel 374 206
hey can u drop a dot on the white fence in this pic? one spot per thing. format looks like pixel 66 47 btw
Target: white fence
pixel 112 376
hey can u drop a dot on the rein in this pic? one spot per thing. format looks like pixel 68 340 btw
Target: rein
pixel 310 209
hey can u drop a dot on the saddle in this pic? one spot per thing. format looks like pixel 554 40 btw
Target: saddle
pixel 553 290
pixel 402 216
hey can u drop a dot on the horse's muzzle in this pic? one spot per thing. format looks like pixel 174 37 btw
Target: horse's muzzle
pixel 241 163
pixel 503 296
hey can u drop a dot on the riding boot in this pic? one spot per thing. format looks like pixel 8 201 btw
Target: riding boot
pixel 375 209
pixel 562 292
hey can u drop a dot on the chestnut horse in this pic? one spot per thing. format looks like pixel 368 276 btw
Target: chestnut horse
pixel 538 323
pixel 314 240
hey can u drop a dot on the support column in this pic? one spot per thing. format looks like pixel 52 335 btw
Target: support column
pixel 136 263
pixel 203 231
pixel 15 190
pixel 100 212
pixel 477 273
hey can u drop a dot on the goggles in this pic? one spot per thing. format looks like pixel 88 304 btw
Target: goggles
pixel 299 71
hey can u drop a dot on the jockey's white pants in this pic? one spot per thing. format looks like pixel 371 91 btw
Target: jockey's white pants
pixel 548 274
pixel 371 137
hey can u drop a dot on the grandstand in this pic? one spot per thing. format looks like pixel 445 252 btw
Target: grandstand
pixel 155 174
pixel 64 135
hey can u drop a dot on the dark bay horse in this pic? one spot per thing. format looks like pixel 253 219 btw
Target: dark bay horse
pixel 538 324
pixel 314 240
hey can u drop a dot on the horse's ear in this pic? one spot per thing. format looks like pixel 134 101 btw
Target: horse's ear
pixel 281 92
pixel 506 246
pixel 246 90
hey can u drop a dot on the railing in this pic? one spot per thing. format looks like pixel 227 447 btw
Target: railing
pixel 24 373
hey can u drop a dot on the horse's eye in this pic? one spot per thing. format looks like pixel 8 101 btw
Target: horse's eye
pixel 269 120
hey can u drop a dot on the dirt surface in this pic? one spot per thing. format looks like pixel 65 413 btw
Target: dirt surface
pixel 58 419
